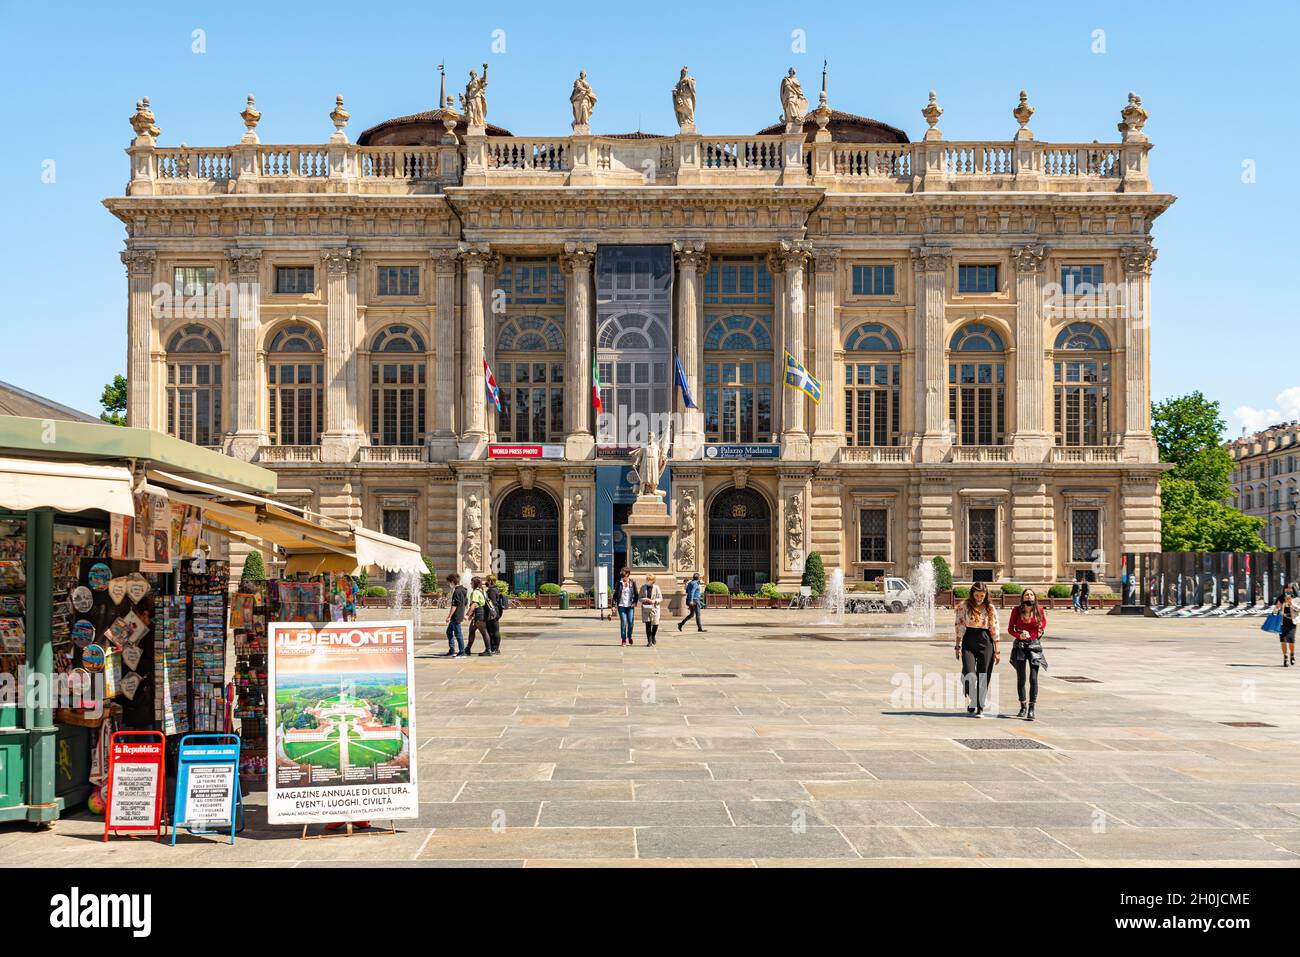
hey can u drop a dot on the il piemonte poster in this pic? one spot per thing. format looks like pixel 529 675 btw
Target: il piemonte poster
pixel 344 725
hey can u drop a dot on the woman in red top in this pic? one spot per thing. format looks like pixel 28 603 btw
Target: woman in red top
pixel 1027 626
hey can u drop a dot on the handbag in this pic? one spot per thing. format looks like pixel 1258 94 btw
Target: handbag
pixel 1272 624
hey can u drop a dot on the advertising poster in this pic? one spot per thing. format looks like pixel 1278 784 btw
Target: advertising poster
pixel 343 722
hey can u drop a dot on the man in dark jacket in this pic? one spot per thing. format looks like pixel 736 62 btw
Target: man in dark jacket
pixel 497 601
pixel 694 596
pixel 459 598
pixel 625 599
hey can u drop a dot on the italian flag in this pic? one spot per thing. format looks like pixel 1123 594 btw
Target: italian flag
pixel 595 385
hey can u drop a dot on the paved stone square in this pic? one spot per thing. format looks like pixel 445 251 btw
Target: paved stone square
pixel 773 740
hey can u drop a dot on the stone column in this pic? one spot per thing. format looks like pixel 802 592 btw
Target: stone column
pixel 1032 440
pixel 1139 445
pixel 930 275
pixel 442 438
pixel 342 436
pixel 828 434
pixel 576 263
pixel 794 435
pixel 248 435
pixel 139 382
pixel 691 261
pixel 474 434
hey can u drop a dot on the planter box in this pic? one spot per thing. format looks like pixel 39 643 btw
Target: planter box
pixel 548 601
pixel 525 602
pixel 746 601
pixel 717 601
pixel 580 601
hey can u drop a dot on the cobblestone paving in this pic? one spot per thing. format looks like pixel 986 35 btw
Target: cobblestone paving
pixel 755 744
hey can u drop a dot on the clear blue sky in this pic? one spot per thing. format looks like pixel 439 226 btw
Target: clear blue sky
pixel 1219 82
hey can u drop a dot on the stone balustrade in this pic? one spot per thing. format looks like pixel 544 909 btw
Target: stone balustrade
pixel 686 159
pixel 876 454
pixel 392 453
pixel 1086 453
pixel 281 454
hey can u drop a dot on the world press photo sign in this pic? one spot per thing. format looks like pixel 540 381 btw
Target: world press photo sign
pixel 344 722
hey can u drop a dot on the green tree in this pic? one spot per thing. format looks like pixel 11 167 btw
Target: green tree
pixel 942 574
pixel 113 399
pixel 1190 522
pixel 1189 434
pixel 254 569
pixel 814 573
pixel 429 580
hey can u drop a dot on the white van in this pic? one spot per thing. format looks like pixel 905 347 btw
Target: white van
pixel 895 593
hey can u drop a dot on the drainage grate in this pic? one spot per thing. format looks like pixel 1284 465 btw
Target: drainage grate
pixel 1002 744
pixel 709 676
pixel 1079 679
pixel 1248 724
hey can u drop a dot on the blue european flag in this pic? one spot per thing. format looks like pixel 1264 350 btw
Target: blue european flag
pixel 682 384
pixel 797 377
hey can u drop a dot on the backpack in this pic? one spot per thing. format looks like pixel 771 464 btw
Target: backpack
pixel 491 610
pixel 501 601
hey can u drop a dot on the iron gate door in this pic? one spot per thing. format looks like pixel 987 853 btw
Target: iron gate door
pixel 528 534
pixel 740 541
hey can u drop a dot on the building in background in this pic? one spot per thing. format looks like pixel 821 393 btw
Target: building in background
pixel 975 314
pixel 1266 484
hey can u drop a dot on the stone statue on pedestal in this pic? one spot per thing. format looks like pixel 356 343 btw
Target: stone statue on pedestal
pixel 650 461
pixel 684 100
pixel 794 105
pixel 474 100
pixel 583 100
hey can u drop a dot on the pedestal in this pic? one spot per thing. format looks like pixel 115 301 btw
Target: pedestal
pixel 651 542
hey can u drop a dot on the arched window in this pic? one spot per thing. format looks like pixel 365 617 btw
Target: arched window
pixel 194 385
pixel 1081 374
pixel 977 385
pixel 530 374
pixel 295 377
pixel 738 378
pixel 872 386
pixel 633 366
pixel 397 387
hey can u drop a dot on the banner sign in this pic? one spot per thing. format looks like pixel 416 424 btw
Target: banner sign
pixel 207 783
pixel 137 780
pixel 743 451
pixel 343 722
pixel 526 451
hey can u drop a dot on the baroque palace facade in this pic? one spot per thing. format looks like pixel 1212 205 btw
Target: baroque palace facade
pixel 976 314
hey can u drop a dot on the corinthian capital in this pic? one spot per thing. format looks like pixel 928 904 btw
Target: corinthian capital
pixel 477 255
pixel 690 255
pixel 1137 259
pixel 930 258
pixel 444 261
pixel 1029 258
pixel 245 262
pixel 793 254
pixel 578 257
pixel 825 258
pixel 139 263
pixel 339 260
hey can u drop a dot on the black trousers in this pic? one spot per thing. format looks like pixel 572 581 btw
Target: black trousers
pixel 480 627
pixel 977 665
pixel 694 612
pixel 494 634
pixel 651 630
pixel 1022 667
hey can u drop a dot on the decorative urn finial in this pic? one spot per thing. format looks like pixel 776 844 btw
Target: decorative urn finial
pixel 142 120
pixel 1134 118
pixel 822 115
pixel 932 111
pixel 339 116
pixel 250 116
pixel 1022 113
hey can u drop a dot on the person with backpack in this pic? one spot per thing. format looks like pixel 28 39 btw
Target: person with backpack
pixel 651 598
pixel 456 615
pixel 694 602
pixel 478 618
pixel 625 599
pixel 497 601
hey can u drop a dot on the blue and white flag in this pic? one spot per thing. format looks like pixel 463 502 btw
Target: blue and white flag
pixel 797 377
pixel 682 383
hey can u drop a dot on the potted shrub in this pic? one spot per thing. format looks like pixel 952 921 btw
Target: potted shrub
pixel 717 595
pixel 742 600
pixel 548 595
pixel 772 594
pixel 814 574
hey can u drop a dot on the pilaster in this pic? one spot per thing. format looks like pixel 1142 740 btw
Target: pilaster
pixel 443 395
pixel 1139 445
pixel 342 436
pixel 577 527
pixel 930 272
pixel 1031 441
pixel 794 434
pixel 793 506
pixel 827 435
pixel 140 265
pixel 248 435
pixel 474 432
pixel 473 530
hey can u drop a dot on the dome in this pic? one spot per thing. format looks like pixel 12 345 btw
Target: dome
pixel 419 129
pixel 846 128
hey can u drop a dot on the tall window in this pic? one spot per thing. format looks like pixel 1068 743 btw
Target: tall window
pixel 194 281
pixel 873 542
pixel 977 385
pixel 531 281
pixel 530 375
pixel 872 390
pixel 738 394
pixel 295 280
pixel 1081 371
pixel 982 535
pixel 194 385
pixel 1085 534
pixel 738 379
pixel 633 313
pixel 295 376
pixel 1082 280
pixel 979 278
pixel 397 387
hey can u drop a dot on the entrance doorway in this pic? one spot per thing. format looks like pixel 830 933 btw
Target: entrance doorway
pixel 528 534
pixel 740 540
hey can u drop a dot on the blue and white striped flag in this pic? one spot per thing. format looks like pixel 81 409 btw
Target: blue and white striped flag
pixel 797 377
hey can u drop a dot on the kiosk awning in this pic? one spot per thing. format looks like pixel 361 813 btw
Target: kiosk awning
pixel 27 484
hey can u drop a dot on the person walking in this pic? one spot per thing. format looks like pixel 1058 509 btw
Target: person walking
pixel 977 646
pixel 694 594
pixel 1075 595
pixel 478 618
pixel 456 615
pixel 1286 607
pixel 497 599
pixel 1084 591
pixel 651 598
pixel 625 599
pixel 1027 626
